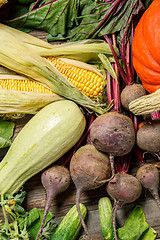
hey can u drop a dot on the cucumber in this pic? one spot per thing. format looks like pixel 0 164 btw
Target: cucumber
pixel 49 134
pixel 70 225
pixel 105 215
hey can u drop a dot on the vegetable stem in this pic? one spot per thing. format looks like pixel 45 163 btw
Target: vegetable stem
pixel 4 213
pixel 116 59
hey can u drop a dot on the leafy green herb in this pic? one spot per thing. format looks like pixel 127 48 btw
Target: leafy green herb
pixel 6 132
pixel 23 225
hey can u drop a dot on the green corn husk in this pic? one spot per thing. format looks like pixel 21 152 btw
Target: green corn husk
pixel 15 104
pixel 86 51
pixel 147 104
pixel 18 57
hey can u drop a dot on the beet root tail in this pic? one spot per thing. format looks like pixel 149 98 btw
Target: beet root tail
pixel 48 203
pixel 79 211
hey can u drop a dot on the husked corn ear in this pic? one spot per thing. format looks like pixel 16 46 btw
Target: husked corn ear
pixel 87 81
pixel 23 85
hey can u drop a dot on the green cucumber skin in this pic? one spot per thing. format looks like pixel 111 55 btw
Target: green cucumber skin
pixel 70 225
pixel 105 215
pixel 44 139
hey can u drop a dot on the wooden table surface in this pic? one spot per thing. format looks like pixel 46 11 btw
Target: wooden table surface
pixel 36 197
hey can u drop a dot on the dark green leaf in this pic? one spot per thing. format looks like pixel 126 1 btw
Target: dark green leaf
pixel 19 10
pixel 49 231
pixel 134 227
pixel 19 209
pixel 149 234
pixel 54 17
pixel 34 228
pixel 102 18
pixel 33 216
pixel 147 3
pixel 3 236
pixel 19 198
pixel 6 132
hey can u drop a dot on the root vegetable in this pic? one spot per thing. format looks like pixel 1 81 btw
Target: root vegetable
pixel 148 175
pixel 89 169
pixel 147 136
pixel 55 180
pixel 113 133
pixel 130 93
pixel 123 188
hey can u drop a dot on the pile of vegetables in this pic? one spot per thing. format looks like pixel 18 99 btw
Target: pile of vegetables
pixel 72 137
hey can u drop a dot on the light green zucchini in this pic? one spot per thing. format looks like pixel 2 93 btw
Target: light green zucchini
pixel 70 225
pixel 52 132
pixel 105 215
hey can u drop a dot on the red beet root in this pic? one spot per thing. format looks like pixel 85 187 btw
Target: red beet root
pixel 123 188
pixel 130 93
pixel 148 175
pixel 113 133
pixel 55 180
pixel 89 170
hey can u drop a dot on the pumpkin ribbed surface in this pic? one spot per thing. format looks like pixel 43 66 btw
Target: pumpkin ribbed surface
pixel 146 44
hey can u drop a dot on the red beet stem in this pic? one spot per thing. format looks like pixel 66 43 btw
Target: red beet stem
pixel 109 90
pixel 116 59
pixel 155 115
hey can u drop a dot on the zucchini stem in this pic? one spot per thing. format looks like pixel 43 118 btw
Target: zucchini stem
pixel 4 213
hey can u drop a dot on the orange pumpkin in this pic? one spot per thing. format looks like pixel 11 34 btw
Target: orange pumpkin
pixel 146 48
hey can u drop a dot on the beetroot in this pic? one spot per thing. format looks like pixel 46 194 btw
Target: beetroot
pixel 89 169
pixel 148 175
pixel 130 93
pixel 123 188
pixel 55 180
pixel 147 136
pixel 113 133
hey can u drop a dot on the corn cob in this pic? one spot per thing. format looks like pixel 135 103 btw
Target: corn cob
pixel 20 95
pixel 23 85
pixel 89 82
pixel 17 56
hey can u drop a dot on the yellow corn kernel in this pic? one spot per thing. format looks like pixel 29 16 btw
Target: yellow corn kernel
pixel 23 85
pixel 85 80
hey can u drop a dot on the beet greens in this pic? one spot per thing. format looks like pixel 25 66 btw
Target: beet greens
pixel 76 20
